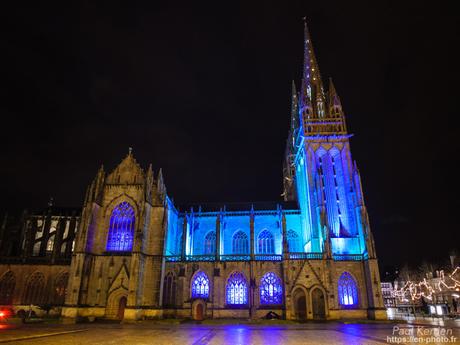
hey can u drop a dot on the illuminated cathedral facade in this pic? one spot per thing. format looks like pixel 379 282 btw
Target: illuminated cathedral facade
pixel 136 255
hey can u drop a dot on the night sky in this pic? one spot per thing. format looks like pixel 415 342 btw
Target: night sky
pixel 204 93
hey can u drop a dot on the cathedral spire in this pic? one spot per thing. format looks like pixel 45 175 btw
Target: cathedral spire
pixel 294 108
pixel 335 107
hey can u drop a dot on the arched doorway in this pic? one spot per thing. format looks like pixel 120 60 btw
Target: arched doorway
pixel 121 308
pixel 198 310
pixel 300 305
pixel 318 304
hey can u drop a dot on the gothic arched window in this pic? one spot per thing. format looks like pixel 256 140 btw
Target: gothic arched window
pixel 237 289
pixel 121 229
pixel 271 291
pixel 265 243
pixel 348 290
pixel 60 288
pixel 200 285
pixel 169 290
pixel 7 284
pixel 35 289
pixel 50 244
pixel 240 243
pixel 210 243
pixel 293 241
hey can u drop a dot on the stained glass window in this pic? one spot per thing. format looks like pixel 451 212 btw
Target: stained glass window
pixel 7 284
pixel 293 241
pixel 271 291
pixel 200 285
pixel 237 289
pixel 121 228
pixel 348 290
pixel 265 243
pixel 240 243
pixel 210 243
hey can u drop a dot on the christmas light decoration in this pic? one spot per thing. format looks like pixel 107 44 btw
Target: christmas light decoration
pixel 426 289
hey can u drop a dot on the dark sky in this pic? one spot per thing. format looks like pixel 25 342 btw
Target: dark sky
pixel 203 91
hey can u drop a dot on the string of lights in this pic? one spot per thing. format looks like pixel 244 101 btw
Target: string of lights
pixel 426 289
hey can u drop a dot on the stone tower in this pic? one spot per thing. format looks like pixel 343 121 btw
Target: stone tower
pixel 321 176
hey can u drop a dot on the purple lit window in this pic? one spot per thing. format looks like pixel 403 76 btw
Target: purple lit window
pixel 237 289
pixel 348 290
pixel 240 243
pixel 200 285
pixel 271 291
pixel 266 243
pixel 121 228
pixel 210 243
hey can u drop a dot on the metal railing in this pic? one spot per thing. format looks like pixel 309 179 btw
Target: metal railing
pixel 268 257
pixel 348 257
pixel 305 256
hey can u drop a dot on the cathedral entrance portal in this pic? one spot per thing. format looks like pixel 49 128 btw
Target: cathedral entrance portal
pixel 121 308
pixel 318 304
pixel 300 305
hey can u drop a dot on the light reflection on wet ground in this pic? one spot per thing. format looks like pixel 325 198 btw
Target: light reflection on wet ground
pixel 330 333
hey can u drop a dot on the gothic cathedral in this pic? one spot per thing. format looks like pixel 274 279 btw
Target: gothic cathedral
pixel 136 255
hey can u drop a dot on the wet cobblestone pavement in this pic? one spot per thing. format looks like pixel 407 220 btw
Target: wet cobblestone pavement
pixel 330 333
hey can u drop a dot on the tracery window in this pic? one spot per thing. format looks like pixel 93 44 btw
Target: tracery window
pixel 50 244
pixel 265 243
pixel 240 243
pixel 121 229
pixel 60 288
pixel 348 290
pixel 35 289
pixel 293 241
pixel 7 284
pixel 210 243
pixel 169 290
pixel 237 289
pixel 200 285
pixel 271 291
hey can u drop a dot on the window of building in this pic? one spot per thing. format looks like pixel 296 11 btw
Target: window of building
pixel 293 240
pixel 210 243
pixel 169 290
pixel 36 248
pixel 7 285
pixel 348 290
pixel 200 285
pixel 240 243
pixel 265 243
pixel 50 244
pixel 35 289
pixel 121 229
pixel 271 291
pixel 60 288
pixel 237 289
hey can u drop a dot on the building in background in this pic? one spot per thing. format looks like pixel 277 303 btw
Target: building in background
pixel 138 255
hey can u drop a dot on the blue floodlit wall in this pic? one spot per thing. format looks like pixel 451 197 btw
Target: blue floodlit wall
pixel 203 225
pixel 324 178
pixel 294 224
pixel 271 223
pixel 231 225
pixel 174 230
